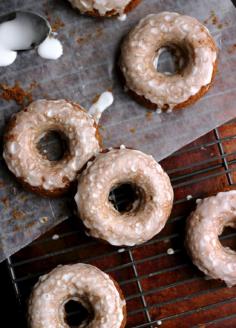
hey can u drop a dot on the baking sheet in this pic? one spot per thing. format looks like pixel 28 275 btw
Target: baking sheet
pixel 87 68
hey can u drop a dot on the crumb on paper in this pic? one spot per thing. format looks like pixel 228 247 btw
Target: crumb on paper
pixel 214 20
pixel 55 237
pixel 17 215
pixel 80 39
pixel 43 219
pixel 132 130
pixel 90 36
pixel 57 24
pixel 149 116
pixel 29 225
pixel 189 197
pixel 5 201
pixel 17 93
pixel 232 49
pixel 170 251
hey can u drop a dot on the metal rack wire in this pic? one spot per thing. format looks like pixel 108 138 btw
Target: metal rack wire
pixel 161 285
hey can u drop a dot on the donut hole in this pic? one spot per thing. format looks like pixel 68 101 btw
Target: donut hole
pixel 226 240
pixel 171 59
pixel 126 197
pixel 78 313
pixel 53 145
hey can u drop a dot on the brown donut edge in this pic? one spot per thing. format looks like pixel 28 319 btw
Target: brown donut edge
pixel 113 13
pixel 190 101
pixel 117 286
pixel 54 193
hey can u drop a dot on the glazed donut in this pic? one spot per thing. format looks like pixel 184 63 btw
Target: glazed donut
pixel 152 202
pixel 204 227
pixel 26 129
pixel 87 285
pixel 181 35
pixel 104 7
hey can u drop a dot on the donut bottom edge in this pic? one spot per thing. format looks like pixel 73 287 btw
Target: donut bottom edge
pixel 142 100
pixel 117 286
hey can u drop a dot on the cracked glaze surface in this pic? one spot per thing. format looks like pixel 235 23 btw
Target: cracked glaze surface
pixel 102 6
pixel 84 283
pixel 114 168
pixel 155 32
pixel 204 227
pixel 27 127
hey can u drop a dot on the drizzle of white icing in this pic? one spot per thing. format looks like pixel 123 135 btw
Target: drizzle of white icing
pixel 105 100
pixel 122 17
pixel 170 251
pixel 7 57
pixel 50 48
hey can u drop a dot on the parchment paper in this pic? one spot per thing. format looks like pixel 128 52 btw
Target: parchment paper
pixel 88 67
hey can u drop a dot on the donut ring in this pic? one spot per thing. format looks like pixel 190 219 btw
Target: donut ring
pixel 180 33
pixel 27 127
pixel 84 283
pixel 106 8
pixel 204 226
pixel 149 212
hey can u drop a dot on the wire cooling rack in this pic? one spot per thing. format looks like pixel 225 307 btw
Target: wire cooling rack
pixel 161 285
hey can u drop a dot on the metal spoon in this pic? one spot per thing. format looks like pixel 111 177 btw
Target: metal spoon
pixel 39 25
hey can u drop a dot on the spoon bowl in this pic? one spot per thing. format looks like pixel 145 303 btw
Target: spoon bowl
pixel 35 27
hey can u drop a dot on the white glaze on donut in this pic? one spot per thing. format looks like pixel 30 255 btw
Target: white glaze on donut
pixel 79 282
pixel 204 227
pixel 117 167
pixel 154 32
pixel 26 129
pixel 102 6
